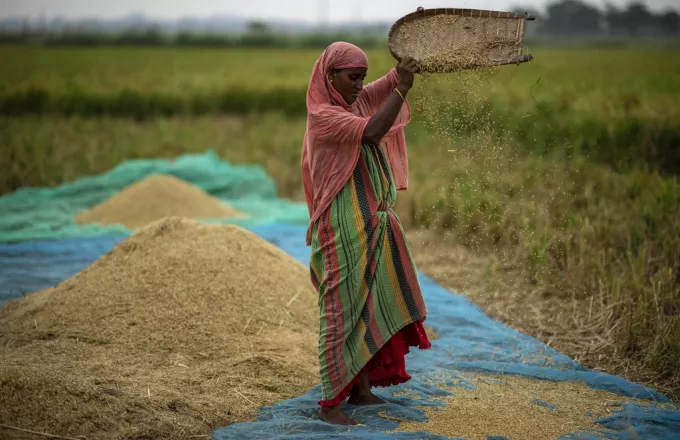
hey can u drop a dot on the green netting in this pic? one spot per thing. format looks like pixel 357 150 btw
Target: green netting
pixel 48 213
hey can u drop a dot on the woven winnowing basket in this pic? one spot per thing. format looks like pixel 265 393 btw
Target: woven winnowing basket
pixel 449 40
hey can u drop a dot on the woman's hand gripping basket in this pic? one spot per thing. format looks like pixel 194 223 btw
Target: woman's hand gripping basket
pixel 449 40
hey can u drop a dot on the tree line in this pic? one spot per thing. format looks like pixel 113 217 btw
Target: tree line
pixel 577 18
pixel 564 18
pixel 154 36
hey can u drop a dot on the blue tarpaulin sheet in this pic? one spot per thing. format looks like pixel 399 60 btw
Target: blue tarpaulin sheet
pixel 468 341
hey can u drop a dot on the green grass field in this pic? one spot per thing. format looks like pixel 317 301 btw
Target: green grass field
pixel 566 168
pixel 606 104
pixel 582 76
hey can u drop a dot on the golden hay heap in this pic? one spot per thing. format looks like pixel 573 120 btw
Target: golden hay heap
pixel 154 198
pixel 182 328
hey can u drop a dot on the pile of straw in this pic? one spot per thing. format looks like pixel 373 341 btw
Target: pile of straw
pixel 182 328
pixel 154 198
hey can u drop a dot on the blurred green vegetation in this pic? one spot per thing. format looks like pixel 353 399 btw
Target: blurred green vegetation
pixel 568 99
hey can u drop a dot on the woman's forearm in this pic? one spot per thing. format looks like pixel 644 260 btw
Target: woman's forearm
pixel 381 122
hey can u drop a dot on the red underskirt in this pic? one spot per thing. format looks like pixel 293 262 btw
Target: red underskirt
pixel 388 366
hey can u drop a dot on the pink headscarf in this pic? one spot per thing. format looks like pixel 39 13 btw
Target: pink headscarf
pixel 332 142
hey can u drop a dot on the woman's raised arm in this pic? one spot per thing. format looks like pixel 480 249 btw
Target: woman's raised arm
pixel 381 122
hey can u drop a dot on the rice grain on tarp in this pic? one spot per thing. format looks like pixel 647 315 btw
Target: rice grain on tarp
pixel 154 198
pixel 182 328
pixel 519 408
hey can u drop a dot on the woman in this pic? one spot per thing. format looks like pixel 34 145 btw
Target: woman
pixel 353 162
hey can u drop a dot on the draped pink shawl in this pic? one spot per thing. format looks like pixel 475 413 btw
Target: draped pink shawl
pixel 332 142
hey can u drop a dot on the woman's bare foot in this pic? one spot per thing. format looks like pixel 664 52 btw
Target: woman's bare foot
pixel 335 416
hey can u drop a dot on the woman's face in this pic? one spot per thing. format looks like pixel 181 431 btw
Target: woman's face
pixel 348 82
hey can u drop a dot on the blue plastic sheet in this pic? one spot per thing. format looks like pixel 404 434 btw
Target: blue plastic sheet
pixel 31 266
pixel 469 341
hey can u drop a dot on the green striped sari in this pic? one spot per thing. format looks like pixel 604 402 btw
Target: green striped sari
pixel 362 268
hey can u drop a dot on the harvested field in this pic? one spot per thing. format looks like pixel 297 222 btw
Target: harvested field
pixel 154 198
pixel 180 329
